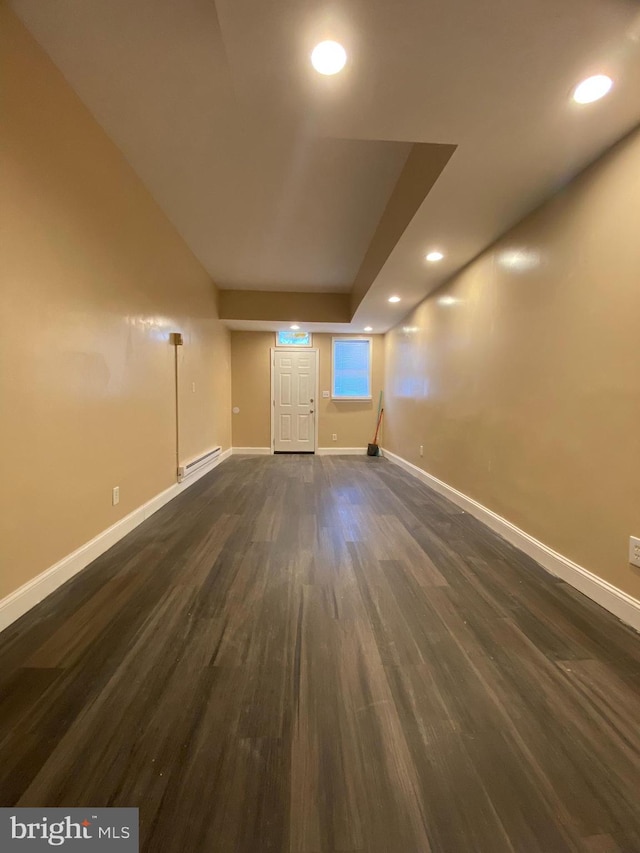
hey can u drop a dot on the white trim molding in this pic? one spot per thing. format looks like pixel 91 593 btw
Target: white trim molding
pixel 320 451
pixel 19 602
pixel 622 605
pixel 342 451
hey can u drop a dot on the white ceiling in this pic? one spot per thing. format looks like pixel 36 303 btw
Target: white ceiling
pixel 277 177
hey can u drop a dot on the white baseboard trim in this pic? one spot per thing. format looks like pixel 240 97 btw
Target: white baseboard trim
pixel 622 605
pixel 320 451
pixel 341 451
pixel 17 603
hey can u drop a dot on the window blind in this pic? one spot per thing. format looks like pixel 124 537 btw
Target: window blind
pixel 351 368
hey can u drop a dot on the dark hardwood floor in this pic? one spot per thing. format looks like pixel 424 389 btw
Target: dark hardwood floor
pixel 319 654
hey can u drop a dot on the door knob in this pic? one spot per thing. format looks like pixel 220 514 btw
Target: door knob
pixel 311 400
pixel 310 411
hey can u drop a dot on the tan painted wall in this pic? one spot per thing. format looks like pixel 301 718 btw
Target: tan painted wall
pixel 94 278
pixel 251 388
pixel 354 423
pixel 525 391
pixel 282 306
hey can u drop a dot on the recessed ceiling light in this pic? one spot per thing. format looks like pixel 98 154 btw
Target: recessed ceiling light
pixel 394 299
pixel 295 327
pixel 447 300
pixel 592 89
pixel 368 328
pixel 328 57
pixel 434 256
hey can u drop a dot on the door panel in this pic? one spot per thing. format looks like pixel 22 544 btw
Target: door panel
pixel 294 404
pixel 285 427
pixel 285 389
pixel 304 391
pixel 303 427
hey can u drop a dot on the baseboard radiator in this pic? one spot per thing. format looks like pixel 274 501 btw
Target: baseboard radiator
pixel 188 468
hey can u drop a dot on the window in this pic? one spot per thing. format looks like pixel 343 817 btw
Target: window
pixel 351 369
pixel 293 339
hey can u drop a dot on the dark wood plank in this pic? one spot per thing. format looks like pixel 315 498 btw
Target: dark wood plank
pixel 312 655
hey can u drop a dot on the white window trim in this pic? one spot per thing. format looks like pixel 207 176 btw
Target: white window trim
pixel 351 338
pixel 294 346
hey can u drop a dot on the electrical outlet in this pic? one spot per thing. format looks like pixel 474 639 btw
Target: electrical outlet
pixel 634 551
pixel 193 387
pixel 422 450
pixel 334 437
pixel 325 394
pixel 115 495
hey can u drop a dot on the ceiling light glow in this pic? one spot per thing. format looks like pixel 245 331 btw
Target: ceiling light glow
pixel 394 299
pixel 447 300
pixel 592 89
pixel 295 327
pixel 432 257
pixel 368 328
pixel 328 57
pixel 519 260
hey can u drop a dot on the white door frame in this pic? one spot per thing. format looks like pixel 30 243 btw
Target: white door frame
pixel 273 392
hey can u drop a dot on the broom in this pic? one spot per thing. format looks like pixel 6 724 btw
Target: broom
pixel 373 449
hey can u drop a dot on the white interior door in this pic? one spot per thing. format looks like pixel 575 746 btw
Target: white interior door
pixel 294 400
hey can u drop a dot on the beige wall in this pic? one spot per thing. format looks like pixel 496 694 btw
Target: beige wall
pixel 353 423
pixel 251 388
pixel 94 278
pixel 283 306
pixel 525 391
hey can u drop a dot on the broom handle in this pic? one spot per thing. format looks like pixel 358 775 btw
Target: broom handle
pixel 375 437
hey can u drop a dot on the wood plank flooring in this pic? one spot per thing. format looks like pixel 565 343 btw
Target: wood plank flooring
pixel 319 654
